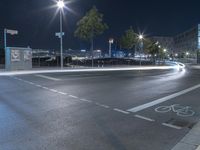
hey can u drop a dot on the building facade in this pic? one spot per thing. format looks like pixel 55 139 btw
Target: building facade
pixel 187 42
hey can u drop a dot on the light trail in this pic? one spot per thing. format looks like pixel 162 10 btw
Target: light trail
pixel 176 65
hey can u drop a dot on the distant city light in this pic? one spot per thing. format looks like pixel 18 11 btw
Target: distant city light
pixel 165 50
pixel 187 53
pixel 83 50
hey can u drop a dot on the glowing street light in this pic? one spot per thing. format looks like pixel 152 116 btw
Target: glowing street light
pixel 141 37
pixel 61 5
pixel 164 50
pixel 187 53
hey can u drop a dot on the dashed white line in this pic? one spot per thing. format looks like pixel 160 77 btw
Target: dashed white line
pixel 85 100
pixel 53 90
pixel 72 96
pixel 144 118
pixel 38 85
pixel 101 105
pixel 171 126
pixel 62 93
pixel 47 77
pixel 46 88
pixel 121 111
pixel 31 83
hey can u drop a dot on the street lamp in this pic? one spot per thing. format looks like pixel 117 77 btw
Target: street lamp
pixel 61 5
pixel 141 37
pixel 187 56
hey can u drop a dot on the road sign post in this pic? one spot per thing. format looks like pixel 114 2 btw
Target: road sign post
pixel 8 31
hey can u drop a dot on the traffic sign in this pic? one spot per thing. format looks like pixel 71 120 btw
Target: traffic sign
pixel 58 34
pixel 12 32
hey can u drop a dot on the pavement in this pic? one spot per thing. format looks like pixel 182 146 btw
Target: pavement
pixel 190 141
pixel 99 110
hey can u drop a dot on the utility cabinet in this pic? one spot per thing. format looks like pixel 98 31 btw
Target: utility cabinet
pixel 18 58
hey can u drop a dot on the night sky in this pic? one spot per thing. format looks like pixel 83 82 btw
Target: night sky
pixel 33 20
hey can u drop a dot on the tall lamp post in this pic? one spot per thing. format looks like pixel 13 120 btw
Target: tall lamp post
pixel 61 5
pixel 187 56
pixel 141 37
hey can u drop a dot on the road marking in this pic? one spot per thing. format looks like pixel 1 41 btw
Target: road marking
pixel 45 88
pixel 85 100
pixel 171 126
pixel 53 90
pixel 161 100
pixel 121 111
pixel 31 83
pixel 144 118
pixel 62 93
pixel 47 77
pixel 73 96
pixel 198 148
pixel 38 85
pixel 101 105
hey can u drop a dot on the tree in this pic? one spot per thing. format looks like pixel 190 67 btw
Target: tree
pixel 153 49
pixel 90 26
pixel 129 39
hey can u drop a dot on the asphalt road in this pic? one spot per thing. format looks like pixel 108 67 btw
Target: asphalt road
pixel 96 111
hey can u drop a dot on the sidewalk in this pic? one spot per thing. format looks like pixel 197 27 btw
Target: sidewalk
pixel 195 66
pixel 191 141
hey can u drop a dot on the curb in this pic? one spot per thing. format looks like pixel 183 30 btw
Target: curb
pixel 191 141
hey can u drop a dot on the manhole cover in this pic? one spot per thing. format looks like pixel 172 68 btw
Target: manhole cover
pixel 180 123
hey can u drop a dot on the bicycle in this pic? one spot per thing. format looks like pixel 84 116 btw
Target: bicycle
pixel 183 111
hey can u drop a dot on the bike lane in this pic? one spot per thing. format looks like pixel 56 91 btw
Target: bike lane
pixel 180 113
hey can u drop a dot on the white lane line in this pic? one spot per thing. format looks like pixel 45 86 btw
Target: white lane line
pixel 101 105
pixel 46 88
pixel 144 118
pixel 31 83
pixel 121 111
pixel 38 85
pixel 62 93
pixel 72 96
pixel 171 126
pixel 47 77
pixel 52 90
pixel 85 100
pixel 161 100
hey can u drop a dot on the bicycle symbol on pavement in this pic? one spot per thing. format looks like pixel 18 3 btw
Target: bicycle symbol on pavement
pixel 183 111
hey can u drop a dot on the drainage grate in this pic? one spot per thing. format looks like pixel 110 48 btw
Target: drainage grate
pixel 180 123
